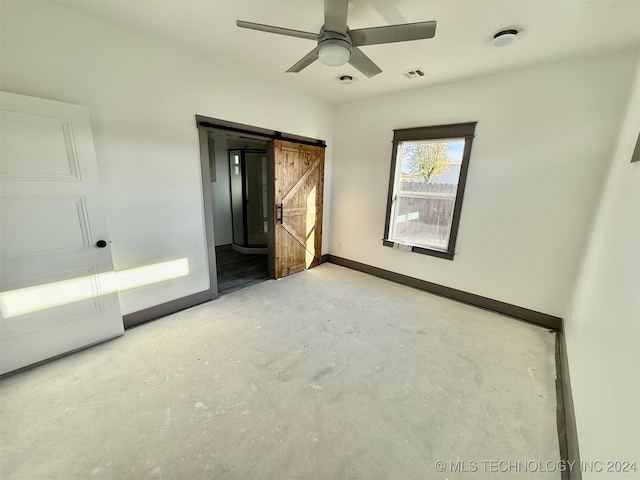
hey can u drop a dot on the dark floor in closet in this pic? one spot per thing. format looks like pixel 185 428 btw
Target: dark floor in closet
pixel 237 270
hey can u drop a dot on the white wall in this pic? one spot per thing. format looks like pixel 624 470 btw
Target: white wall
pixel 222 226
pixel 542 145
pixel 602 326
pixel 143 96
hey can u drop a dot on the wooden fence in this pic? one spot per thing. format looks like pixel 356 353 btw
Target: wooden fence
pixel 424 212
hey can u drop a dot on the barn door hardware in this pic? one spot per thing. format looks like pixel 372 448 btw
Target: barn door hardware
pixel 280 218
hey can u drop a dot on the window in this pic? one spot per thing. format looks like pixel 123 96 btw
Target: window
pixel 428 172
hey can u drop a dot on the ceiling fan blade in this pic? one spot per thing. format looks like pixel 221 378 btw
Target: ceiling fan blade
pixel 335 15
pixel 279 30
pixel 393 33
pixel 305 61
pixel 363 63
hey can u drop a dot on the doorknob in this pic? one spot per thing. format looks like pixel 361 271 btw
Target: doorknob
pixel 101 244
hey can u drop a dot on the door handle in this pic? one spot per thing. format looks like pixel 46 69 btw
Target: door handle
pixel 101 244
pixel 279 207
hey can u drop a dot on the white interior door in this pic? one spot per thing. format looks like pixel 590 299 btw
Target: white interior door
pixel 57 286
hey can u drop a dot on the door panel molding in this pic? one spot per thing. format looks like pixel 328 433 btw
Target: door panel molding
pixel 59 161
pixel 54 213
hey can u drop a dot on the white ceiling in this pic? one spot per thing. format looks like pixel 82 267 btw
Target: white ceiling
pixel 462 48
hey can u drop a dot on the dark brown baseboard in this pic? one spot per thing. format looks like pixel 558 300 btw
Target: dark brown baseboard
pixel 561 422
pixel 143 316
pixel 572 448
pixel 520 313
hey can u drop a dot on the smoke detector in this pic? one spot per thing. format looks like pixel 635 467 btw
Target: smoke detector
pixel 505 37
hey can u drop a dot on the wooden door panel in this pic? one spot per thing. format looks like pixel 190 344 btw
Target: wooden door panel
pixel 299 185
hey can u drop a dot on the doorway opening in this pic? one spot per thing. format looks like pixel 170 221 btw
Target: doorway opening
pixel 239 187
pixel 262 193
pixel 248 185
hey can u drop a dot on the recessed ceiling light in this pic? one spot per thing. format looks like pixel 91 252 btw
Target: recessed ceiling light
pixel 505 37
pixel 346 79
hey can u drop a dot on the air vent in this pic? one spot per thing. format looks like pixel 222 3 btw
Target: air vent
pixel 415 73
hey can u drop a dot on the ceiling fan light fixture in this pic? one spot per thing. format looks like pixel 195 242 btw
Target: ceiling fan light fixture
pixel 334 53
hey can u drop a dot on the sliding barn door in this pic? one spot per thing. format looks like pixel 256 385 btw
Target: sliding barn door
pixel 299 183
pixel 57 286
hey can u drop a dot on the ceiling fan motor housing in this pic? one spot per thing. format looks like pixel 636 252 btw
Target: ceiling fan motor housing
pixel 328 38
pixel 334 49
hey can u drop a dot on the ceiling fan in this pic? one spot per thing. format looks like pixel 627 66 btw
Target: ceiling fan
pixel 338 45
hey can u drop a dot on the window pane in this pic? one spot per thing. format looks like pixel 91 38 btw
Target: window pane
pixel 425 192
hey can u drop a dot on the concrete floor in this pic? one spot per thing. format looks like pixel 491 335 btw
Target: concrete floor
pixel 327 374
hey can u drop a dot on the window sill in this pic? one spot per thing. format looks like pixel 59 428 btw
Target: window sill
pixel 424 250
